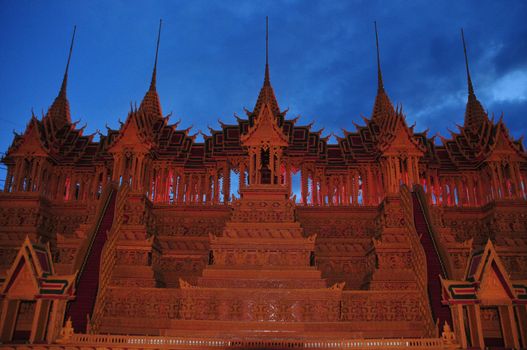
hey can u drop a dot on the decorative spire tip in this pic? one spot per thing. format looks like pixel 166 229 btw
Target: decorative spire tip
pixel 154 72
pixel 267 80
pixel 469 80
pixel 380 85
pixel 65 80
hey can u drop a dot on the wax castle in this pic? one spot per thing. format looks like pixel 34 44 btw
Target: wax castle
pixel 393 234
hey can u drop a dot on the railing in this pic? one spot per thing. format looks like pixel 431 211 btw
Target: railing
pixel 153 342
pixel 108 257
pixel 418 257
pixel 82 254
pixel 446 264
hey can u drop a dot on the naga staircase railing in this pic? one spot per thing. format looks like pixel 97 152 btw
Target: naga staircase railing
pixel 446 263
pixel 418 260
pixel 108 258
pixel 82 255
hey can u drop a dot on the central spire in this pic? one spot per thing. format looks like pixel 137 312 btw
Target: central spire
pixel 266 93
pixel 267 80
pixel 475 115
pixel 151 104
pixel 154 72
pixel 65 79
pixel 469 80
pixel 380 85
pixel 382 107
pixel 58 114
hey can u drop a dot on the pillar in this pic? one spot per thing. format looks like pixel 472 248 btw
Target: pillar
pixel 474 321
pixel 458 318
pixel 242 175
pixel 508 326
pixel 314 188
pixel 8 319
pixel 226 184
pixel 40 320
pixel 303 179
pixel 521 315
pixel 216 187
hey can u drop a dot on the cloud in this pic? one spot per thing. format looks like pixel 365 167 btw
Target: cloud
pixel 512 87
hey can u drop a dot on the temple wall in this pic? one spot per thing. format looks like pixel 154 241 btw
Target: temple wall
pixel 344 238
pixel 503 222
pixel 363 313
pixel 183 235
pixel 28 214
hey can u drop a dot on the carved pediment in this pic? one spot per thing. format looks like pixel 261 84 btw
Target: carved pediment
pixel 31 143
pixel 32 275
pixel 265 131
pixel 491 290
pixel 131 137
pixel 504 148
pixel 24 284
pixel 402 142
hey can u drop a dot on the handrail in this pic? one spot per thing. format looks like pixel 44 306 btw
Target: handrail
pixel 418 257
pixel 108 257
pixel 446 264
pixel 82 254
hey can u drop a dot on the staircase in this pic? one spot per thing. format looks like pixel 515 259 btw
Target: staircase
pixel 435 267
pixel 88 277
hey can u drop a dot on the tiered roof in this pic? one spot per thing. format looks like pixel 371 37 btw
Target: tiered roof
pixel 477 140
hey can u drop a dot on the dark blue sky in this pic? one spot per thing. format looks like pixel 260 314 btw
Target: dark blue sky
pixel 211 59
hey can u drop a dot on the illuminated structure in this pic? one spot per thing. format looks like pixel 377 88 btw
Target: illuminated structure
pixel 393 235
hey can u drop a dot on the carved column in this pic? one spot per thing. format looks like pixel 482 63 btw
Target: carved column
pixel 216 181
pixel 314 188
pixel 242 175
pixel 8 179
pixel 288 177
pixel 226 184
pixel 258 166
pixel 303 179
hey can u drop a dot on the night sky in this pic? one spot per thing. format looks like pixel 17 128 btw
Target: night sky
pixel 212 55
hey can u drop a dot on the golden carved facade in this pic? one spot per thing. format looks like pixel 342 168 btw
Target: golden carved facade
pixel 172 238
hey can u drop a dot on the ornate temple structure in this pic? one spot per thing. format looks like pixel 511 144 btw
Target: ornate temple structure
pixel 135 240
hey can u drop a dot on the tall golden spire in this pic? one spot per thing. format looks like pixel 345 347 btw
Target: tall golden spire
pixel 469 80
pixel 266 94
pixel 154 72
pixel 65 79
pixel 380 85
pixel 58 114
pixel 267 80
pixel 382 106
pixel 150 103
pixel 475 115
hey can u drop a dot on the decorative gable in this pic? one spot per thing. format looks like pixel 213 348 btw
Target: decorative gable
pixel 265 131
pixel 486 282
pixel 31 142
pixel 32 275
pixel 403 142
pixel 504 148
pixel 131 136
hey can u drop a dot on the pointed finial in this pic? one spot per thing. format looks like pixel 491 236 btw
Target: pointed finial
pixel 65 80
pixel 380 85
pixel 154 72
pixel 267 80
pixel 469 80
